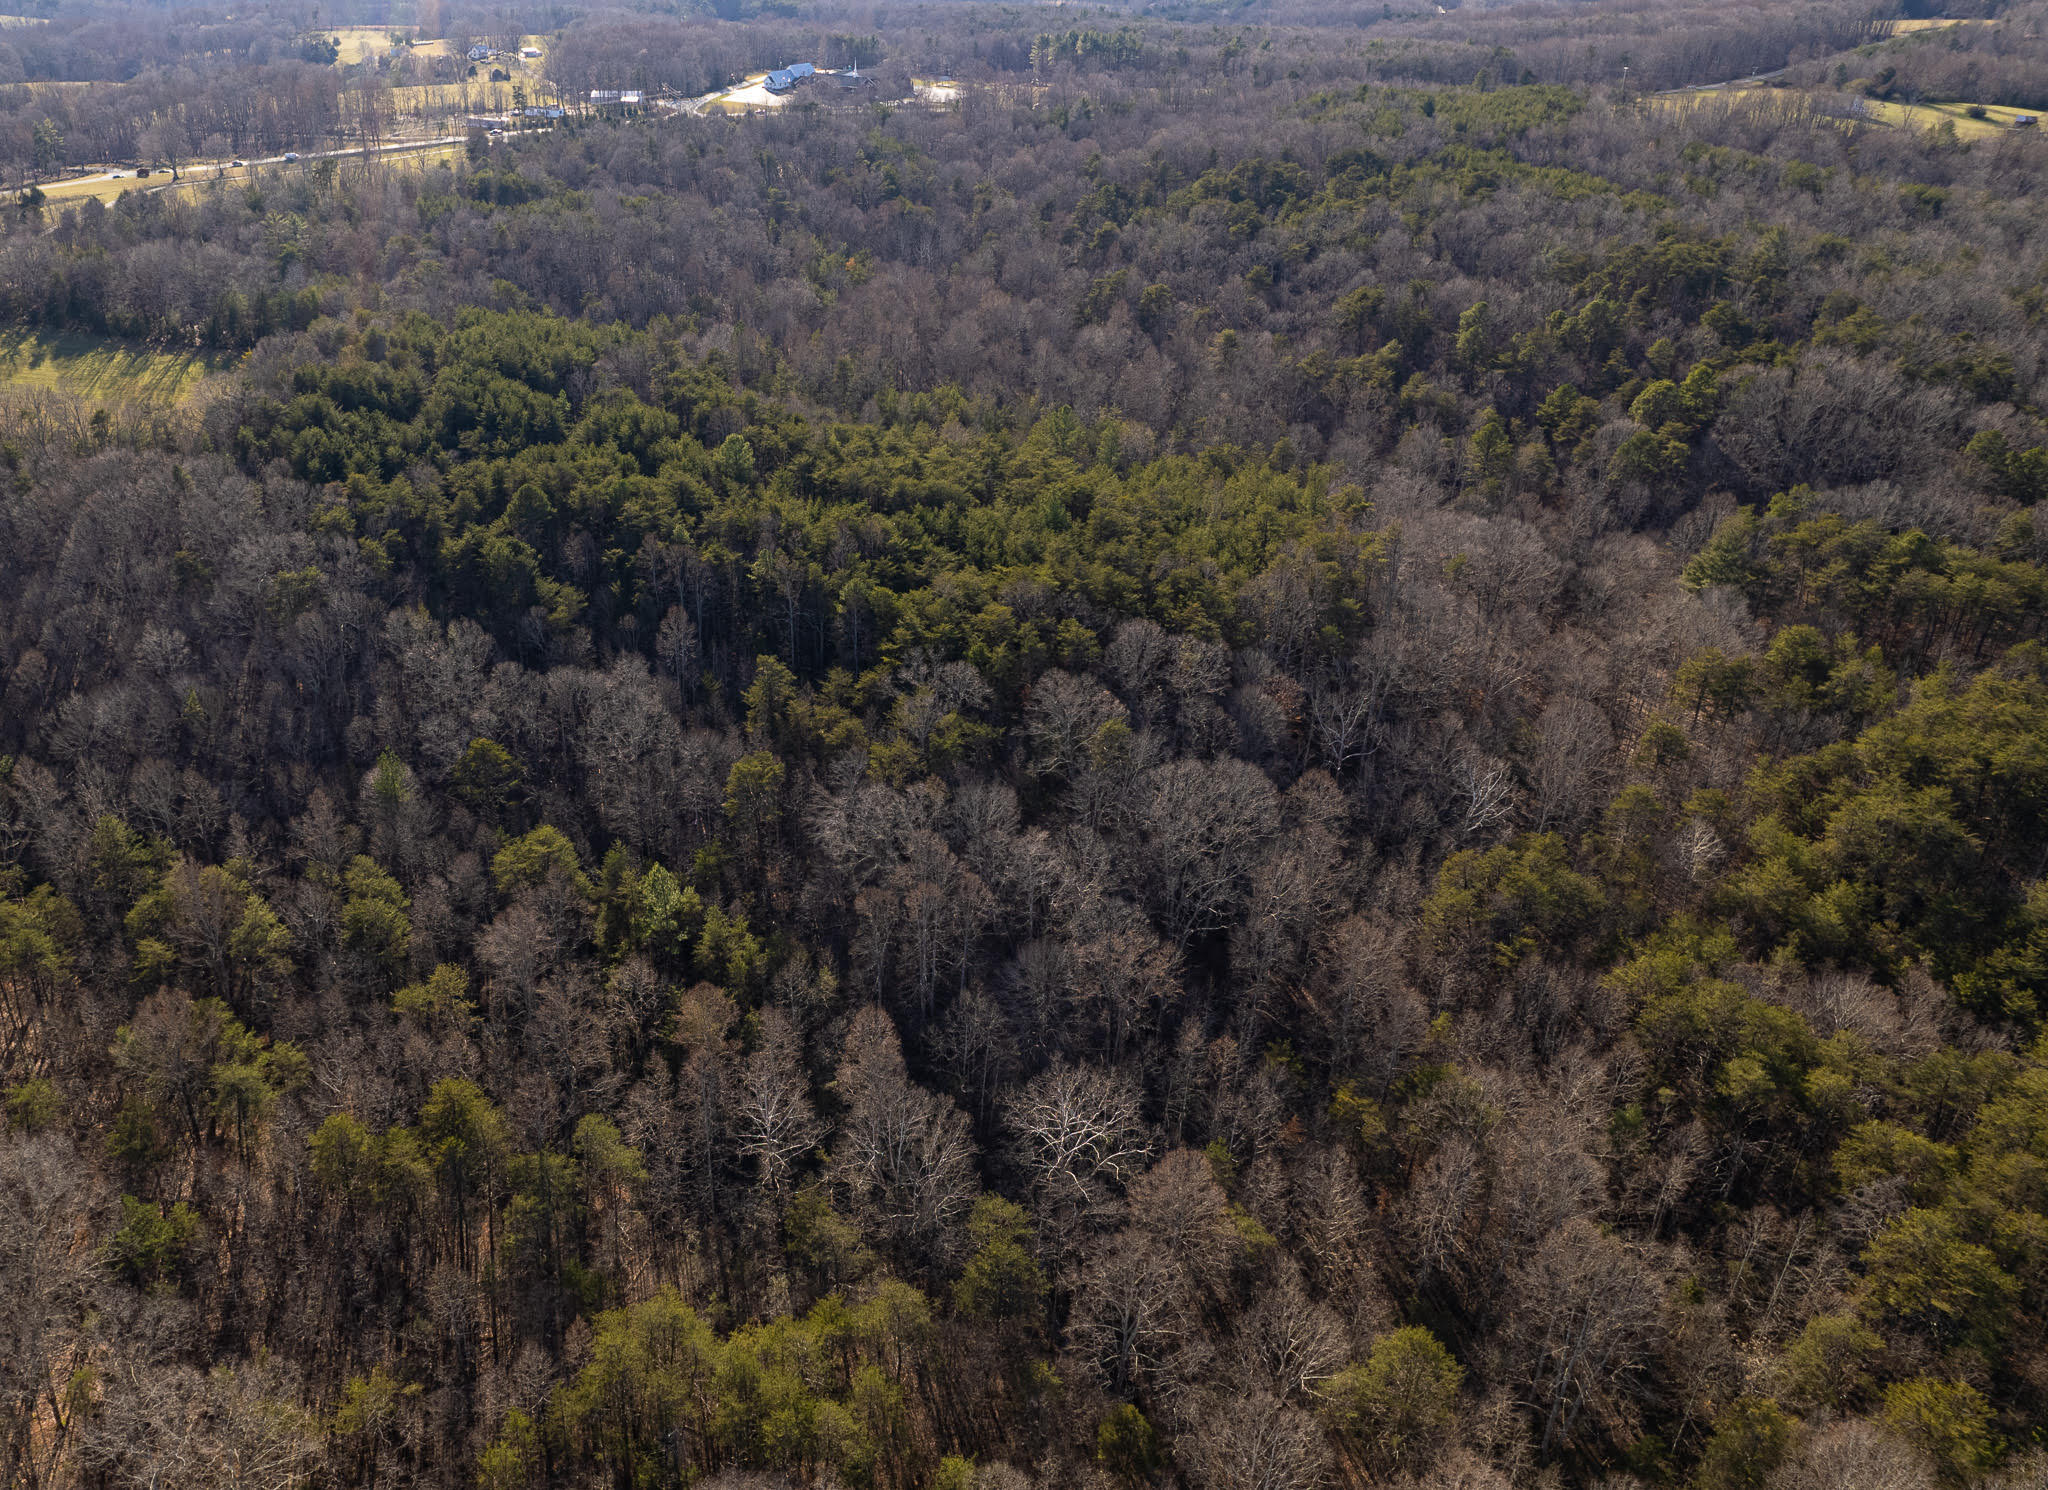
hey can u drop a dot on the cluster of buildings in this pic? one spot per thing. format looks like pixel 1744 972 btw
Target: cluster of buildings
pixel 780 80
pixel 483 53
pixel 533 113
pixel 785 78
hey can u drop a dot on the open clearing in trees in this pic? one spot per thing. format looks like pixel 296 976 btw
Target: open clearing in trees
pixel 103 371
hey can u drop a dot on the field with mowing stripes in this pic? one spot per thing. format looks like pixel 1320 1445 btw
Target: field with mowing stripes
pixel 1930 23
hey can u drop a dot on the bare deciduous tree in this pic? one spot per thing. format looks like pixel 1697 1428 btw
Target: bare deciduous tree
pixel 903 1157
pixel 1204 823
pixel 164 1426
pixel 1255 1442
pixel 1291 1343
pixel 1129 1318
pixel 1483 795
pixel 773 1118
pixel 1063 718
pixel 1077 1131
pixel 1568 769
pixel 45 1215
pixel 1853 1455
pixel 1582 1319
pixel 1179 1206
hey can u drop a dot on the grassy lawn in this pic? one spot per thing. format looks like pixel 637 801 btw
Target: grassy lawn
pixel 68 193
pixel 103 371
pixel 62 192
pixel 408 160
pixel 361 43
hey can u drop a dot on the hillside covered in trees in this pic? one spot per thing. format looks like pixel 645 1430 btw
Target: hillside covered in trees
pixel 1303 750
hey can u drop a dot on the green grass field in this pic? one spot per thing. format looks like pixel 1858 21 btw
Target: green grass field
pixel 101 371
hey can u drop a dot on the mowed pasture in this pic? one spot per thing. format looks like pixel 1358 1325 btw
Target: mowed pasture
pixel 43 88
pixel 100 371
pixel 65 193
pixel 1997 120
pixel 1906 27
pixel 1792 103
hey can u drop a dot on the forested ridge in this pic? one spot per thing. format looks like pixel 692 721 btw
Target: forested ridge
pixel 1248 765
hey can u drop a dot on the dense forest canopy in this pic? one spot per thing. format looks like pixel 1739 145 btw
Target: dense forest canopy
pixel 1306 747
